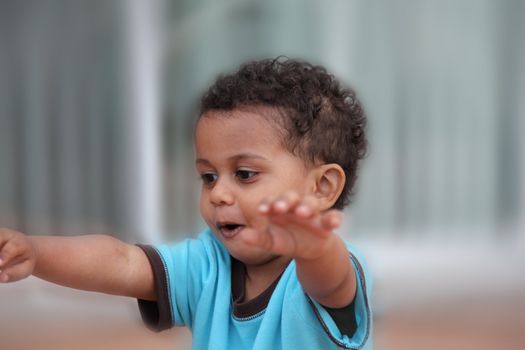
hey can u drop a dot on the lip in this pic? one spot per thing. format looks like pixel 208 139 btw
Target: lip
pixel 227 232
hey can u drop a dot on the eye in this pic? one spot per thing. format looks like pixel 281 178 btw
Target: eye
pixel 245 175
pixel 208 178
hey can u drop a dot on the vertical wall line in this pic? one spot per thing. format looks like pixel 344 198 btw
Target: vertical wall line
pixel 142 33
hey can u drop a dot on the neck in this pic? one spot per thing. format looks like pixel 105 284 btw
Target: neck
pixel 261 276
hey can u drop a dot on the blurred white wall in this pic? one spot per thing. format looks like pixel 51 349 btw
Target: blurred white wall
pixel 143 52
pixel 80 117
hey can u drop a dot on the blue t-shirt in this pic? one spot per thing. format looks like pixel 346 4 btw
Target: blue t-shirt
pixel 194 288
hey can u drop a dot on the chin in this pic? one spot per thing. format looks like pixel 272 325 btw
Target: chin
pixel 249 257
pixel 245 253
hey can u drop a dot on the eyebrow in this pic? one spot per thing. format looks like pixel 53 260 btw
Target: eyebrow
pixel 236 157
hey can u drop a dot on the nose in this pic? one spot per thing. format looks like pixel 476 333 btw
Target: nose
pixel 221 194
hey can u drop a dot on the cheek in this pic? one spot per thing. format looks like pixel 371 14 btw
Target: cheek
pixel 271 190
pixel 204 206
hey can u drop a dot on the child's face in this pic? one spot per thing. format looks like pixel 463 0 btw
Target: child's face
pixel 241 160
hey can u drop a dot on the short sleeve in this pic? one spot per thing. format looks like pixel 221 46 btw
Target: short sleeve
pixel 359 339
pixel 180 272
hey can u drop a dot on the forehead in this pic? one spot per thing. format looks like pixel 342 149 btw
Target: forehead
pixel 230 132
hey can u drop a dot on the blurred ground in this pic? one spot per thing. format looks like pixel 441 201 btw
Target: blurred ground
pixel 477 324
pixel 38 315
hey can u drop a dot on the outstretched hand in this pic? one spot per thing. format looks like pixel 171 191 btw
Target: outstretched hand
pixel 17 256
pixel 296 227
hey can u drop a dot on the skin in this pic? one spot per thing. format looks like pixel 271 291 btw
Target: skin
pixel 92 262
pixel 250 179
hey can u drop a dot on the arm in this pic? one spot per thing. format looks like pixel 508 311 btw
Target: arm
pixel 92 262
pixel 330 278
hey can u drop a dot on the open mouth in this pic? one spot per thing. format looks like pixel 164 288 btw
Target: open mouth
pixel 229 230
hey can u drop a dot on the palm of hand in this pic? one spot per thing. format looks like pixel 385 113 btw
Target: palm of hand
pixel 296 227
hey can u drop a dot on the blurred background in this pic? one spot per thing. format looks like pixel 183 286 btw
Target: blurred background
pixel 97 105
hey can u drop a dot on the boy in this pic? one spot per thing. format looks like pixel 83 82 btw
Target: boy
pixel 277 147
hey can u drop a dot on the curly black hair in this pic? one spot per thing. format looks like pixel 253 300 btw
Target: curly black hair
pixel 323 120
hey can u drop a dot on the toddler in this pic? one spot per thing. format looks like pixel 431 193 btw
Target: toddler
pixel 277 147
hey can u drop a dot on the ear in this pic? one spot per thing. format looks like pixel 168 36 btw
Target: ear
pixel 329 182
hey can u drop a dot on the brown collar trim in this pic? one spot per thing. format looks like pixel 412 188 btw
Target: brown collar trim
pixel 252 307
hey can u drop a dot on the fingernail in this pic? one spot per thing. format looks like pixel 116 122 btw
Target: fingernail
pixel 302 209
pixel 280 205
pixel 263 207
pixel 335 221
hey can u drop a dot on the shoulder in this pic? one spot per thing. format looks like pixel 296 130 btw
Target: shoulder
pixel 205 247
pixel 322 319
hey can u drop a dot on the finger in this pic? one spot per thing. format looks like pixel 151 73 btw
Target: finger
pixel 272 240
pixel 331 220
pixel 308 207
pixel 259 238
pixel 285 202
pixel 16 272
pixel 19 259
pixel 283 243
pixel 9 251
pixel 304 218
pixel 264 206
pixel 5 236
